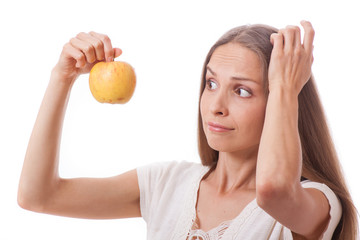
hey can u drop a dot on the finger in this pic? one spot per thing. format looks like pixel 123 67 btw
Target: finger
pixel 308 35
pixel 75 54
pixel 97 44
pixel 277 39
pixel 108 49
pixel 288 34
pixel 297 36
pixel 85 47
pixel 117 52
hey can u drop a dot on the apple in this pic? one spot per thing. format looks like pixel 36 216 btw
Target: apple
pixel 112 82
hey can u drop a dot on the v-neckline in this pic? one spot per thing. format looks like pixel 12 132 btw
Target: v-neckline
pixel 250 205
pixel 188 215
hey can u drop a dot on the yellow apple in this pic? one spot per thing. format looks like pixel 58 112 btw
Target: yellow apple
pixel 112 82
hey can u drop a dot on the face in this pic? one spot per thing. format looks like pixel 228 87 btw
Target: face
pixel 233 102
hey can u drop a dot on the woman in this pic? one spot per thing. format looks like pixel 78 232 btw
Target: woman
pixel 261 131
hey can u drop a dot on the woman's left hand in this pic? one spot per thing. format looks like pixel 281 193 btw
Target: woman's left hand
pixel 291 60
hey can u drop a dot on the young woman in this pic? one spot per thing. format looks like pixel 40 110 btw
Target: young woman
pixel 269 168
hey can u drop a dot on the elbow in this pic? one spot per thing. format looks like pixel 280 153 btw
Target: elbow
pixel 23 202
pixel 28 201
pixel 270 193
pixel 265 192
pixel 36 195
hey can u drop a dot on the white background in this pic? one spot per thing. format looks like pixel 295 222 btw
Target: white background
pixel 166 42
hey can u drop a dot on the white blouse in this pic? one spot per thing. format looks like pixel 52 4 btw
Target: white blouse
pixel 168 195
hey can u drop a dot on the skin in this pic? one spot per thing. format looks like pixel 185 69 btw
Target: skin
pixel 259 154
pixel 267 164
pixel 234 98
pixel 41 189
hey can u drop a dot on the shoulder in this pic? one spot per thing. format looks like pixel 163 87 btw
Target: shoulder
pixel 169 169
pixel 162 174
pixel 334 203
pixel 163 184
pixel 335 209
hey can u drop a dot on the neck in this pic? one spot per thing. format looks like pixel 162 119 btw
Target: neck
pixel 235 171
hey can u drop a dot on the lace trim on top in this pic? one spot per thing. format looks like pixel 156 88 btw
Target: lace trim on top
pixel 186 221
pixel 213 234
pixel 188 216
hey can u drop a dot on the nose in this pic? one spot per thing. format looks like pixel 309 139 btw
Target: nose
pixel 219 106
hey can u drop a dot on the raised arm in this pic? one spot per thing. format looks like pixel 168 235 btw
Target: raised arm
pixel 40 188
pixel 279 192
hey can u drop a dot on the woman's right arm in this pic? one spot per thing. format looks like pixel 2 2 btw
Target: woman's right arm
pixel 41 189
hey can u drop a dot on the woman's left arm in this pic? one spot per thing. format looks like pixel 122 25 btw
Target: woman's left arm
pixel 278 188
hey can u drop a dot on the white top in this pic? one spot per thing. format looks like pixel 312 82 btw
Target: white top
pixel 168 194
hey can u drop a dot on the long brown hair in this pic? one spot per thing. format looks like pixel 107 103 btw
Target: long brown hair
pixel 320 161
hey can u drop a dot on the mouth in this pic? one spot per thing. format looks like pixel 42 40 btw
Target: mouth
pixel 216 127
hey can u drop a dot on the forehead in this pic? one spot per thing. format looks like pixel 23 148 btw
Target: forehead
pixel 233 58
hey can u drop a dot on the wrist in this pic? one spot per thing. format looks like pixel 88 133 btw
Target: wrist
pixel 284 96
pixel 283 106
pixel 61 81
pixel 283 91
pixel 61 76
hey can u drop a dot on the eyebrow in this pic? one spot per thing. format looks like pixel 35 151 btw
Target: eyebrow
pixel 233 77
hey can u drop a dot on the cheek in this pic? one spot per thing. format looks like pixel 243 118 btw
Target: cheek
pixel 251 121
pixel 203 106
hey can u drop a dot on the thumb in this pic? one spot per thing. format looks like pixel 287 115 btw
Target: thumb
pixel 117 52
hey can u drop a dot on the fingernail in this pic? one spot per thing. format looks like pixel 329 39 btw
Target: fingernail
pixel 110 59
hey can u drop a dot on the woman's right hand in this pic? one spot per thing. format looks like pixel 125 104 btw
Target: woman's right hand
pixel 81 53
pixel 41 189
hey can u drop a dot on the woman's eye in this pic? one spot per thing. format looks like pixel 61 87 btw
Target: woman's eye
pixel 242 92
pixel 211 84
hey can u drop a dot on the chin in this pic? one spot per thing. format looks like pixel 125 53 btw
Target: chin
pixel 230 147
pixel 222 146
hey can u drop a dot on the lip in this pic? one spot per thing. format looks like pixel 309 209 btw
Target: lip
pixel 216 127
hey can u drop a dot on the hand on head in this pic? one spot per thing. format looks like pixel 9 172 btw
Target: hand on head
pixel 291 58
